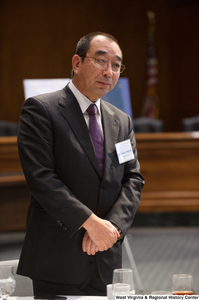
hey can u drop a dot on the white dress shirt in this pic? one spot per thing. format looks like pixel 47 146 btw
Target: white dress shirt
pixel 84 103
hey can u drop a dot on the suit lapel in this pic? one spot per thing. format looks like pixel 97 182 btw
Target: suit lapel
pixel 73 115
pixel 111 131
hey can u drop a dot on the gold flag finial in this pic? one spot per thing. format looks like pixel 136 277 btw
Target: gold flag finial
pixel 151 16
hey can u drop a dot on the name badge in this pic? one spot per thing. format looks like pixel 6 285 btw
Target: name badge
pixel 124 151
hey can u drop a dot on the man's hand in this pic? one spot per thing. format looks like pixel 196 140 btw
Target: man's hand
pixel 88 245
pixel 101 232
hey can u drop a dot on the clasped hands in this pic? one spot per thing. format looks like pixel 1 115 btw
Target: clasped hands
pixel 100 235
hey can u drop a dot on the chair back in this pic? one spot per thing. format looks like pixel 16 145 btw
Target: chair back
pixel 190 124
pixel 8 128
pixel 145 124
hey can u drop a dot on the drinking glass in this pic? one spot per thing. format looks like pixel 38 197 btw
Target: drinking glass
pixel 182 284
pixel 7 281
pixel 123 283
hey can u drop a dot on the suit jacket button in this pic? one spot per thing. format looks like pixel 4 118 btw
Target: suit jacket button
pixel 59 223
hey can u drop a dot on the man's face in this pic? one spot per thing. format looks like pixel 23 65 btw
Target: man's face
pixel 93 81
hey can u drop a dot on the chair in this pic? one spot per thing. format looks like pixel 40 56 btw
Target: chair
pixel 145 124
pixel 8 128
pixel 23 284
pixel 190 124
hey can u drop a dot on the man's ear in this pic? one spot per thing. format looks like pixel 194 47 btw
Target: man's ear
pixel 76 60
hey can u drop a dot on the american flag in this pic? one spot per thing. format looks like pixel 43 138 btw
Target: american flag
pixel 151 102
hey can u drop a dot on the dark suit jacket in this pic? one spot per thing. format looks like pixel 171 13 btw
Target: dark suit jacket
pixel 64 179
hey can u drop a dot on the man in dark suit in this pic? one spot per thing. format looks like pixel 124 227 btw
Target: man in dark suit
pixel 81 205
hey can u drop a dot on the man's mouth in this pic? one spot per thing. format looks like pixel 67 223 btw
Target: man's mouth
pixel 104 83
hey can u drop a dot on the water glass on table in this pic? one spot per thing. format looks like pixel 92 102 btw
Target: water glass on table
pixel 182 284
pixel 123 283
pixel 7 281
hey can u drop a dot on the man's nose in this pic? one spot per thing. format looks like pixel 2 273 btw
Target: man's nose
pixel 108 70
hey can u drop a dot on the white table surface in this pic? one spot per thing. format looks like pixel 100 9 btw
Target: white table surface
pixel 68 298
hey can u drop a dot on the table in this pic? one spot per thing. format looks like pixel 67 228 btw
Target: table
pixel 68 298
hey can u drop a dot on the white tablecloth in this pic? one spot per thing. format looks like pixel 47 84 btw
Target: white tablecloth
pixel 68 298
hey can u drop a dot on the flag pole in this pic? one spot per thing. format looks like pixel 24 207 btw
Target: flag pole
pixel 151 101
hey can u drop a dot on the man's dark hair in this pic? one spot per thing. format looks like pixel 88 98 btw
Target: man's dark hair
pixel 84 43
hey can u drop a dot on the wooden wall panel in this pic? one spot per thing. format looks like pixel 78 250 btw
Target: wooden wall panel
pixel 38 39
pixel 184 47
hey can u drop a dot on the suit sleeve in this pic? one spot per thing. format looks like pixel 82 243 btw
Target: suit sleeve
pixel 127 202
pixel 35 145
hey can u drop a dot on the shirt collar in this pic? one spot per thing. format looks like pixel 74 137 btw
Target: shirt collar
pixel 83 101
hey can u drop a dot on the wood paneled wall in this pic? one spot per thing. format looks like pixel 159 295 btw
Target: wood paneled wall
pixel 38 39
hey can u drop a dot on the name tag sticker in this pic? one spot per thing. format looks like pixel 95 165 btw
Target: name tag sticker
pixel 124 151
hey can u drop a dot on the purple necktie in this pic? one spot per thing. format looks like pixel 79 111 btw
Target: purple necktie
pixel 96 135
